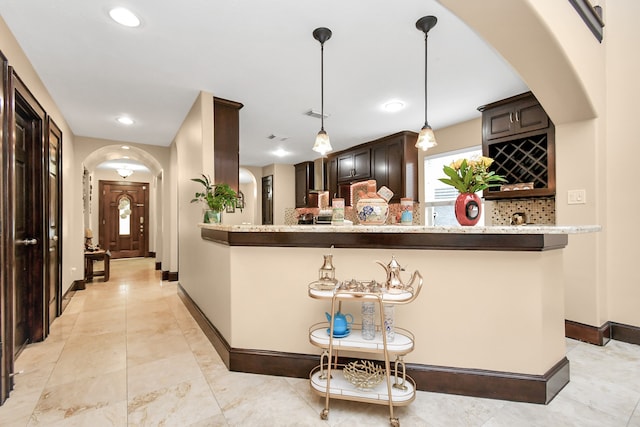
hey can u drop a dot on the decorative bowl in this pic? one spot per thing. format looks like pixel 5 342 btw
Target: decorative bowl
pixel 363 374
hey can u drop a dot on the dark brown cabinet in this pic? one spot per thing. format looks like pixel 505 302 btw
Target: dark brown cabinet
pixel 520 137
pixel 304 183
pixel 354 165
pixel 395 165
pixel 519 114
pixel 226 140
pixel 392 161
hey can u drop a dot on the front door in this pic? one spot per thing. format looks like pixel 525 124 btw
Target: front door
pixel 124 218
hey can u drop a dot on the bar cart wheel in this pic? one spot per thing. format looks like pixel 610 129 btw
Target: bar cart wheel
pixel 324 415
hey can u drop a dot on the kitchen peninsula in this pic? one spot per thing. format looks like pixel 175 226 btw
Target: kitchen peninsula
pixel 489 321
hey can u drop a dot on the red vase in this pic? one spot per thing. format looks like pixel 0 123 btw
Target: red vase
pixel 468 208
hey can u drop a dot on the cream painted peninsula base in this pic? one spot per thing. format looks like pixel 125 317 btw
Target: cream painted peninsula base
pixel 489 321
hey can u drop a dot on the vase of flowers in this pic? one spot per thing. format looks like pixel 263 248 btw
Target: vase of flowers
pixel 216 197
pixel 470 176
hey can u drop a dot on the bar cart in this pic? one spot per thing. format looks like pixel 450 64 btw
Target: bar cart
pixel 363 381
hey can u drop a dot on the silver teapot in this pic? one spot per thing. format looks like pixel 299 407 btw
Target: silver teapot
pixel 394 282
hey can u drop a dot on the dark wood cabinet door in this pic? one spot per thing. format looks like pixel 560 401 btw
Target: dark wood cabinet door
pixel 362 164
pixel 379 165
pixel 354 165
pixel 226 131
pixel 531 116
pixel 498 122
pixel 304 182
pixel 395 171
pixel 332 177
pixel 345 167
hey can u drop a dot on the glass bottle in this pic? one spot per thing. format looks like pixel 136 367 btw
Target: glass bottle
pixel 368 320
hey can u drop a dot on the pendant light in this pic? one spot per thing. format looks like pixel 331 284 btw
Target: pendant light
pixel 322 144
pixel 426 138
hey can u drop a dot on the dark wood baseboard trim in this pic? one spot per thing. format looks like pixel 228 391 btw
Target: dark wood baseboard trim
pixel 215 337
pixel 152 254
pixel 468 382
pixel 77 285
pixel 491 384
pixel 587 333
pixel 173 276
pixel 158 266
pixel 626 333
pixel 165 275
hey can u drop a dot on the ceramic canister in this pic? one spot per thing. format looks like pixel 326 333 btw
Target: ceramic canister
pixel 406 211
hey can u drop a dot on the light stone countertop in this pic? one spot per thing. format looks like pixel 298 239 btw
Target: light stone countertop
pixel 519 229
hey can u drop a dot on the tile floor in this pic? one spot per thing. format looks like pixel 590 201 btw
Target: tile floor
pixel 128 353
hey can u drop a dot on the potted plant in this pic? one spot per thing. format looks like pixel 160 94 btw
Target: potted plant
pixel 217 197
pixel 469 177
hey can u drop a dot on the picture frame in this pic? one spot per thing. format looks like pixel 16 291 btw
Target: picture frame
pixel 240 203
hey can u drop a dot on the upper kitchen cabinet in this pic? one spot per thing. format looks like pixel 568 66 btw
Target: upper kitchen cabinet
pixel 394 164
pixel 304 183
pixel 392 161
pixel 511 116
pixel 226 142
pixel 354 165
pixel 520 137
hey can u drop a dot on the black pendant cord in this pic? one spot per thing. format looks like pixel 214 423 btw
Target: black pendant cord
pixel 322 86
pixel 425 79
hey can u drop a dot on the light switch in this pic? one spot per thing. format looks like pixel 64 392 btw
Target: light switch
pixel 576 197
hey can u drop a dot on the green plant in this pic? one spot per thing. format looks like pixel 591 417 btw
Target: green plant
pixel 471 176
pixel 216 196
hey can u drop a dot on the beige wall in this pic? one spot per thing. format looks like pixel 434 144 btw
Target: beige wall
pixel 72 236
pixel 510 320
pixel 193 156
pixel 621 150
pixel 589 90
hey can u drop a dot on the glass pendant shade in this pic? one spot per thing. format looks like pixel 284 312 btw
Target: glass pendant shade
pixel 426 138
pixel 322 144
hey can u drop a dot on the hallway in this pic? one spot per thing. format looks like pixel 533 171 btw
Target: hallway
pixel 127 352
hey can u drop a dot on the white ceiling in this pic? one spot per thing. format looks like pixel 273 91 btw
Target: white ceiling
pixel 262 54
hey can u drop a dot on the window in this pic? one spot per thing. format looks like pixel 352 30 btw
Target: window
pixel 124 210
pixel 439 197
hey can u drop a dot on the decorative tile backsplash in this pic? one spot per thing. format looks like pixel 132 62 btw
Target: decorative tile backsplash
pixel 537 211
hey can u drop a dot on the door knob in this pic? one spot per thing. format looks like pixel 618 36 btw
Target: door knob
pixel 26 242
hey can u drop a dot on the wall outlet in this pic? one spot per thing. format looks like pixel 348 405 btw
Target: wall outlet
pixel 576 197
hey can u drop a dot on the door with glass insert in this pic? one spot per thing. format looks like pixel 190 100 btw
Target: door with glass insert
pixel 124 218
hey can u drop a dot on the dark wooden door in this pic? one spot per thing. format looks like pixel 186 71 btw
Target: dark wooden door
pixel 267 200
pixel 6 330
pixel 29 218
pixel 124 218
pixel 53 277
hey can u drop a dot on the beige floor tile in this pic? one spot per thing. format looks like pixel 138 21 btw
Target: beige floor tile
pixel 181 404
pixel 60 402
pixel 162 373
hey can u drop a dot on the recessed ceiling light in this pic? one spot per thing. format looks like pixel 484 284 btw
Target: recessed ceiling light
pixel 393 106
pixel 125 120
pixel 125 147
pixel 124 17
pixel 280 152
